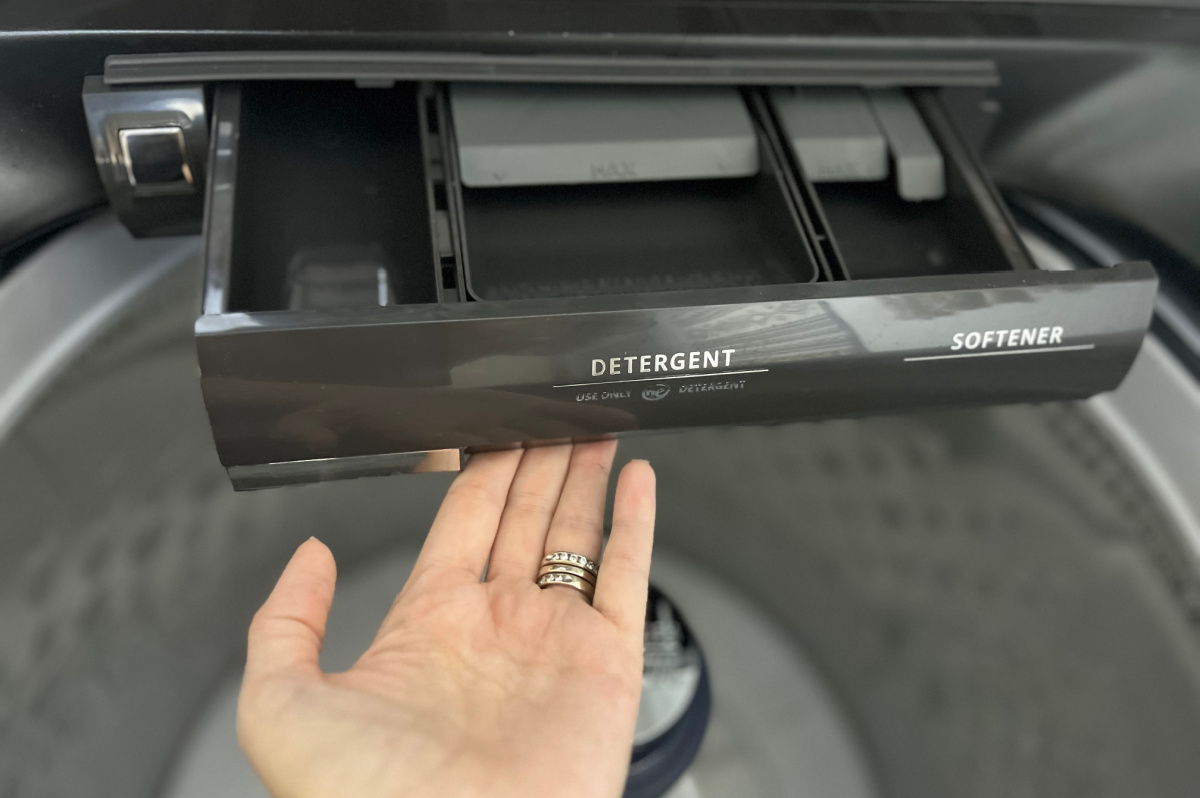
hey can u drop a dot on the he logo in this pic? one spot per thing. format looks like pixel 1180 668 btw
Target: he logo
pixel 656 392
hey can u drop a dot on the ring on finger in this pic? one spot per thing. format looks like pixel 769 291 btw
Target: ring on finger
pixel 567 580
pixel 561 568
pixel 570 558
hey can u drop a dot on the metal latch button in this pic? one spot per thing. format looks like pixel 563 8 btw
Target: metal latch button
pixel 156 158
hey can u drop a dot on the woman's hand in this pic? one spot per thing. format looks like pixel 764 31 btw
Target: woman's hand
pixel 470 688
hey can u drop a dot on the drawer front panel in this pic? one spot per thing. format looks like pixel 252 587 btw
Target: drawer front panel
pixel 300 386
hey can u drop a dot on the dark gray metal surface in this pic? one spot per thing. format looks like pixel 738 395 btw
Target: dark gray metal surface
pixel 58 301
pixel 978 587
pixel 607 19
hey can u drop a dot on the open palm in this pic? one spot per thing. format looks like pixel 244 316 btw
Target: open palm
pixel 471 687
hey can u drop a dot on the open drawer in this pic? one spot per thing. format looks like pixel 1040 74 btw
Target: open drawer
pixel 364 304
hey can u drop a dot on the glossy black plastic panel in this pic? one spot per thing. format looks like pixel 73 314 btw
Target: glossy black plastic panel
pixel 282 387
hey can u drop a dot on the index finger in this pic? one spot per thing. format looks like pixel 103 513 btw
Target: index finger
pixel 624 578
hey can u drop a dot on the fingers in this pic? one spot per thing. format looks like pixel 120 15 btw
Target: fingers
pixel 462 534
pixel 286 633
pixel 578 523
pixel 625 573
pixel 532 499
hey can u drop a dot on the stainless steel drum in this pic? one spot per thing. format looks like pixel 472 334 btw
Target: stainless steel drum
pixel 984 602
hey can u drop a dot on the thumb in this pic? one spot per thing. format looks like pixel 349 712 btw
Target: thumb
pixel 287 631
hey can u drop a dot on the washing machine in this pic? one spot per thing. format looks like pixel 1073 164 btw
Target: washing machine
pixel 901 300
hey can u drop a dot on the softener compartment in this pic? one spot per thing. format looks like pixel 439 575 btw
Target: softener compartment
pixel 895 190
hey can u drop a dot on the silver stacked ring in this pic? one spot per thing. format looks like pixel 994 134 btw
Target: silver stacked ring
pixel 568 558
pixel 568 580
pixel 562 568
pixel 569 570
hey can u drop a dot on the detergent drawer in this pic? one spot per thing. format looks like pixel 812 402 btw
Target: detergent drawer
pixel 393 271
